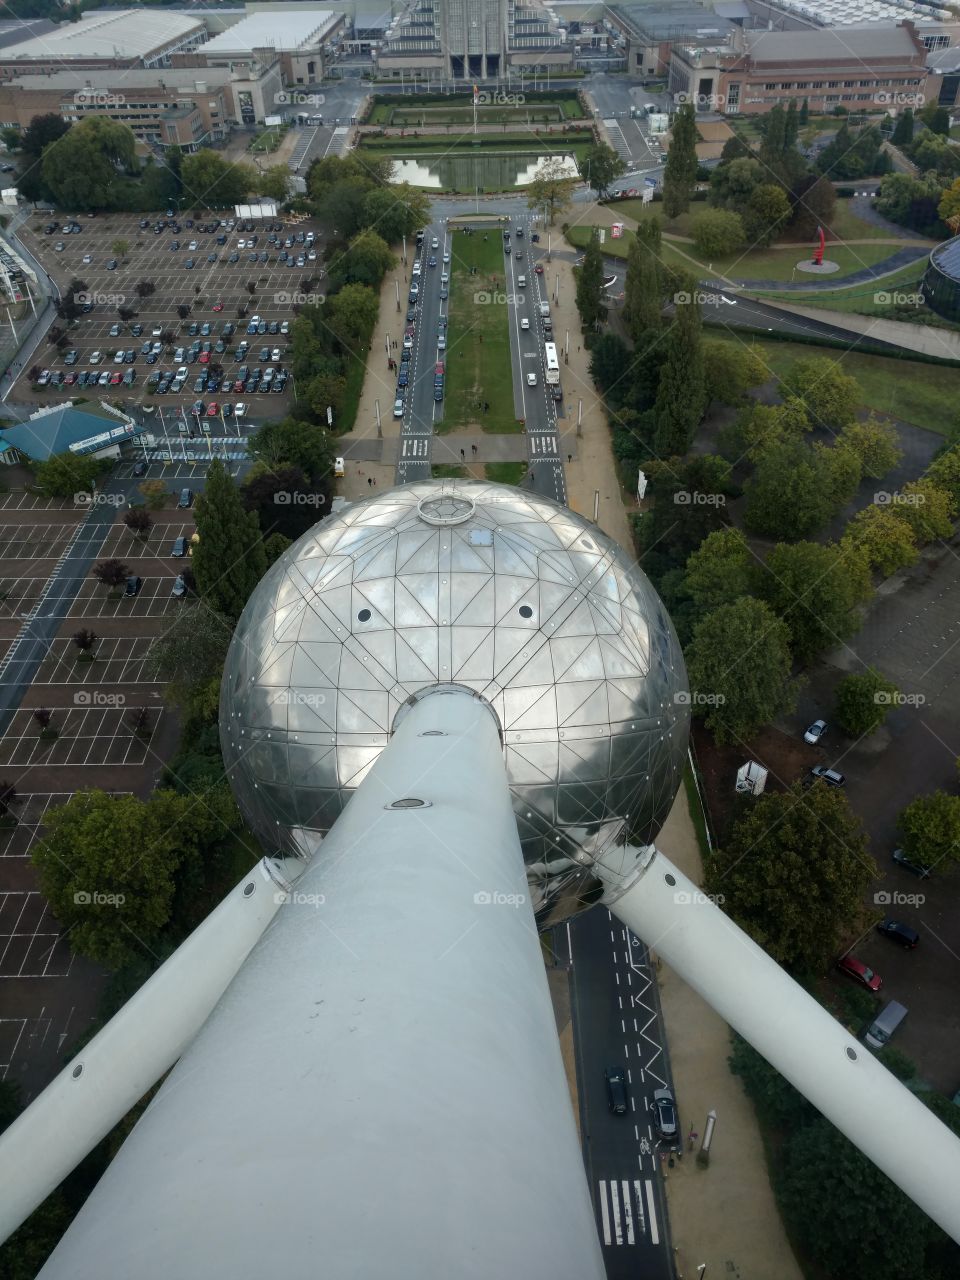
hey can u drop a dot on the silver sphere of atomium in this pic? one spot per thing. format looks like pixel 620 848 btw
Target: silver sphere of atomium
pixel 484 587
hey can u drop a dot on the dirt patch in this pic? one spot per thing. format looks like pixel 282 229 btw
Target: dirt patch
pixel 786 758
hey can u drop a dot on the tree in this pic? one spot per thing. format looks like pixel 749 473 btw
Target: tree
pixel 144 288
pixel 107 863
pixel 603 166
pixel 154 493
pixel 43 716
pixel 590 275
pixel 767 213
pixel 717 232
pixel 216 183
pixel 787 495
pixel 886 541
pixel 63 475
pixel 875 444
pixel 936 118
pixel 927 509
pixel 930 828
pixel 367 260
pixel 814 202
pixel 189 656
pixel 816 591
pixel 733 183
pixel 721 570
pixel 795 856
pixel 275 546
pixel 949 206
pixel 682 392
pixel 829 395
pixel 120 247
pixel 85 639
pixel 275 182
pixel 730 371
pixel 139 520
pixel 680 171
pixel 395 211
pixel 87 168
pixel 804 112
pixel 285 501
pixel 8 797
pixel 676 526
pixel 551 189
pixel 643 300
pixel 903 131
pixel 911 202
pixel 944 472
pixel 296 444
pixel 863 701
pixel 841 472
pixel 353 313
pixel 112 573
pixel 228 560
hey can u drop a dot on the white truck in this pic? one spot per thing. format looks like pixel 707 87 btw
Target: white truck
pixel 545 310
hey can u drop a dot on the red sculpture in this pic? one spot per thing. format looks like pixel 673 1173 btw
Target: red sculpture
pixel 818 252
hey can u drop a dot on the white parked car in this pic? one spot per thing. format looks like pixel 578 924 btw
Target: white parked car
pixel 96 357
pixel 274 355
pixel 442 342
pixel 444 277
pixel 398 407
pixel 118 358
pixel 531 379
pixel 524 323
pixel 446 257
pixel 239 410
pixel 87 259
pixel 285 326
pixel 435 243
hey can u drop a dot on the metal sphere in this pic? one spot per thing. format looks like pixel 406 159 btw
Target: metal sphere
pixel 489 588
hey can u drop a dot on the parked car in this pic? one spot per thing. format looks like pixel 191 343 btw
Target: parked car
pixel 134 583
pixel 186 498
pixel 664 1114
pixel 830 776
pixel 179 547
pixel 616 1090
pixel 914 865
pixel 814 732
pixel 179 586
pixel 898 932
pixel 860 972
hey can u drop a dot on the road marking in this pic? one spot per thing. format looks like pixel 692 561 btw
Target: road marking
pixel 638 1200
pixel 604 1213
pixel 628 1213
pixel 615 1207
pixel 651 1206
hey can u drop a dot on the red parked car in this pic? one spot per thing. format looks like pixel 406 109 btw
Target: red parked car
pixel 855 969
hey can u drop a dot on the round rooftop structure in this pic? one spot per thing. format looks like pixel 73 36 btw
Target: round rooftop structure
pixel 480 587
pixel 941 281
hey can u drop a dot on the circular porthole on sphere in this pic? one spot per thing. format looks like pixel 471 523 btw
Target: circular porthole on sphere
pixel 409 802
pixel 363 615
pixel 249 889
pixel 526 611
pixel 77 1071
pixel 671 880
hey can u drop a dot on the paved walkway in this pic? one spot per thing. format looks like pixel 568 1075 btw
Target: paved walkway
pixel 927 339
pixel 725 1215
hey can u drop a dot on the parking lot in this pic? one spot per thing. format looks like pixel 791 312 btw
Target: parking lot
pixel 87 736
pixel 223 296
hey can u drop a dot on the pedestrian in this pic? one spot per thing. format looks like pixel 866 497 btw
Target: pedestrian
pixel 369 481
pixel 569 457
pixel 692 1136
pixel 462 454
pixel 474 448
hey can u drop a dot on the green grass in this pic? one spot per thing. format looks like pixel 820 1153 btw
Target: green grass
pixel 858 298
pixel 758 264
pixel 356 369
pixel 505 472
pixel 925 395
pixel 478 340
pixel 269 140
pixel 844 224
pixel 697 816
pixel 446 471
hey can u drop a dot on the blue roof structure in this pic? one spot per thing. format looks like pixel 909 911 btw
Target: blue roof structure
pixel 65 428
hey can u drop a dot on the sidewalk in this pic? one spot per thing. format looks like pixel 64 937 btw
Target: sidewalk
pixel 726 1215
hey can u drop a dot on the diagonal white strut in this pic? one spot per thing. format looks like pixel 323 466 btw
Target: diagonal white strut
pixel 750 991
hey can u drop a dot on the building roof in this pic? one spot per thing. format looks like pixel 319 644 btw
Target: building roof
pixel 17 30
pixel 688 22
pixel 289 29
pixel 855 13
pixel 53 430
pixel 859 43
pixel 124 79
pixel 112 33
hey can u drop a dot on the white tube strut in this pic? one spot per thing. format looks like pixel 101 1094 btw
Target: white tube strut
pixel 380 1091
pixel 832 1069
pixel 141 1042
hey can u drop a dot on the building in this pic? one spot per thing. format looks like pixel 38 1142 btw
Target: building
pixel 652 32
pixel 473 40
pixel 870 68
pixel 95 429
pixel 291 41
pixel 941 282
pixel 111 38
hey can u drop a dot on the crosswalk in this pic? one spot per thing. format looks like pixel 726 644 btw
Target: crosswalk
pixel 617 139
pixel 628 1211
pixel 414 447
pixel 543 446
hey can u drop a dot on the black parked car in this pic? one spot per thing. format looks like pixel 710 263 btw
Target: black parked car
pixel 897 932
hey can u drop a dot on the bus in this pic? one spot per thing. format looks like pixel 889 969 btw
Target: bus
pixel 552 364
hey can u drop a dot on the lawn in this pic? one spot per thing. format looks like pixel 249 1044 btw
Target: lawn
pixel 757 264
pixel 859 298
pixel 844 225
pixel 446 471
pixel 923 394
pixel 505 472
pixel 479 367
pixel 356 371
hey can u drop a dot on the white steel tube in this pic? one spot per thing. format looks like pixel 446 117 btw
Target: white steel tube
pixel 380 1092
pixel 834 1071
pixel 141 1042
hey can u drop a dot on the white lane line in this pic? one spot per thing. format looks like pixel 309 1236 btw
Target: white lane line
pixel 615 1206
pixel 638 1200
pixel 628 1213
pixel 652 1209
pixel 605 1213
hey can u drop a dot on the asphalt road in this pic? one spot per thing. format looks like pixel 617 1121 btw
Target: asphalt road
pixel 616 1019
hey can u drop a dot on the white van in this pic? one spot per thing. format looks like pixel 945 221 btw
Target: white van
pixel 884 1024
pixel 522 282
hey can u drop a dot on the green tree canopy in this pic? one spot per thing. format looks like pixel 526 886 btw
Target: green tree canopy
pixel 228 560
pixel 393 212
pixel 816 591
pixel 829 395
pixel 590 275
pixel 731 370
pixel 190 654
pixel 882 537
pixel 602 166
pixel 863 700
pixel 551 189
pixel 63 475
pixel 926 508
pixel 875 443
pixel 353 314
pixel 795 856
pixel 680 171
pixel 930 829
pixel 213 182
pixel 291 442
pixel 85 169
pixel 682 391
pixel 717 232
pixel 788 494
